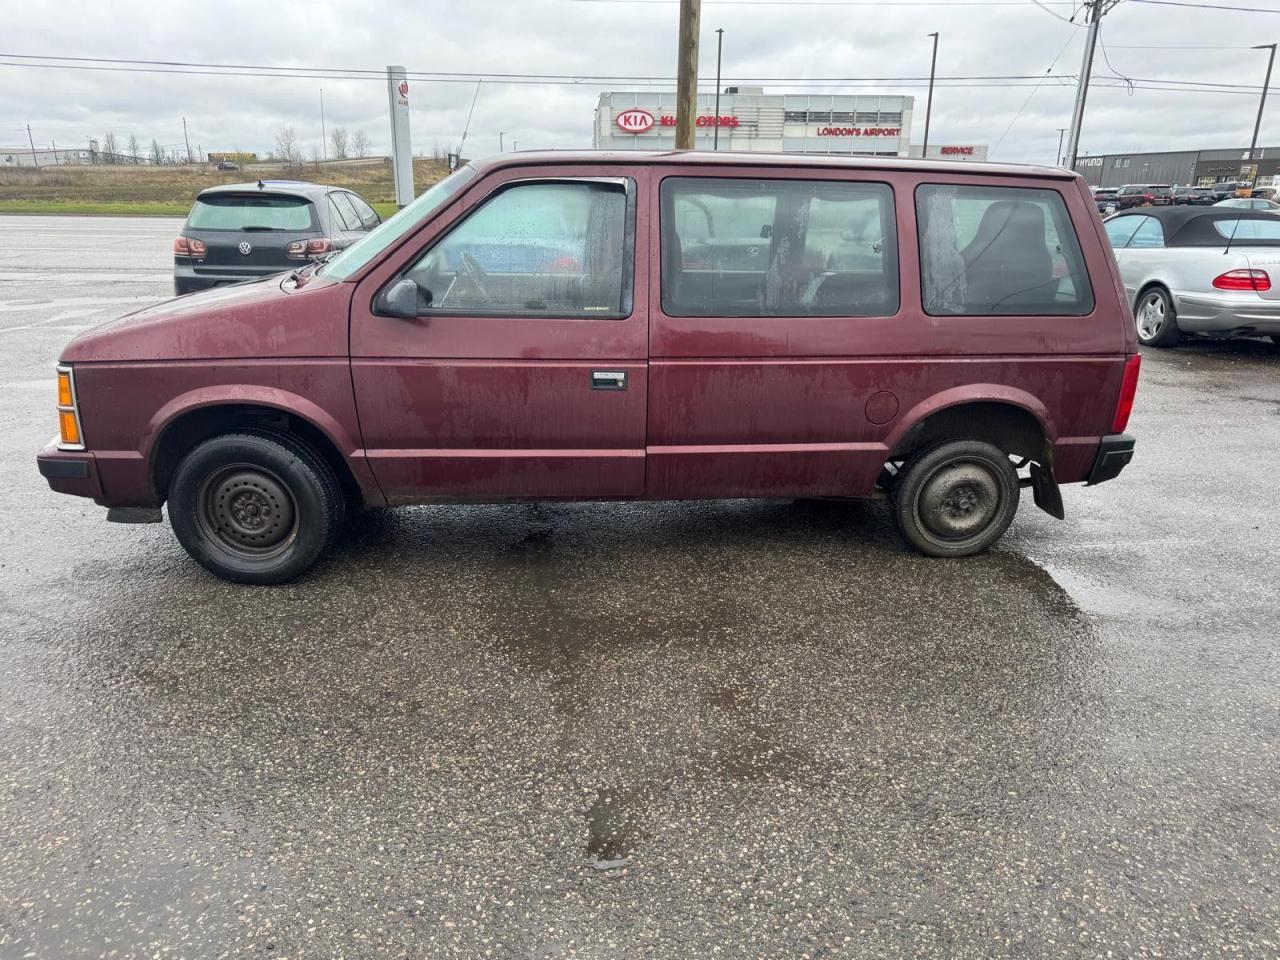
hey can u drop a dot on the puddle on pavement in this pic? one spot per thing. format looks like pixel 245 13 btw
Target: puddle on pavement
pixel 613 829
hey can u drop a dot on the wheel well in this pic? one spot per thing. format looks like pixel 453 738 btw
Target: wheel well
pixel 1012 429
pixel 190 429
pixel 1147 286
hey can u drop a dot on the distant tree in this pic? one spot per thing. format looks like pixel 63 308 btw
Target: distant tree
pixel 360 143
pixel 133 148
pixel 287 146
pixel 157 153
pixel 338 140
pixel 109 152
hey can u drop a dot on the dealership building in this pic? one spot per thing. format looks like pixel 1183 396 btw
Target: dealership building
pixel 751 120
pixel 1197 168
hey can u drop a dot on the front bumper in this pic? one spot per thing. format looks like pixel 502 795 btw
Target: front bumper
pixel 74 472
pixel 1114 453
pixel 1243 313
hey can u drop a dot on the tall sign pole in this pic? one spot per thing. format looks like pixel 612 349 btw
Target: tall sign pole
pixel 687 73
pixel 401 154
pixel 928 109
pixel 1257 124
pixel 715 136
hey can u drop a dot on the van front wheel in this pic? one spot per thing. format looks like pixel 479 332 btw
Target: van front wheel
pixel 956 498
pixel 255 507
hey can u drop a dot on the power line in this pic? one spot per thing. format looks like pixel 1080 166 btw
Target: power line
pixel 1071 21
pixel 840 3
pixel 1034 91
pixel 1208 6
pixel 322 73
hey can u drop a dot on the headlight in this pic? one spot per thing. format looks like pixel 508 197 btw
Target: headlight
pixel 70 436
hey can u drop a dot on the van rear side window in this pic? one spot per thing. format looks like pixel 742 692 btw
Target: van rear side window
pixel 778 248
pixel 991 251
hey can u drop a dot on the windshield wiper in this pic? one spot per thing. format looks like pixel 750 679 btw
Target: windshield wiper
pixel 258 228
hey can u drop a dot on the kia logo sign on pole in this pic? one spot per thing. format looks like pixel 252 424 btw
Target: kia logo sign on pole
pixel 634 121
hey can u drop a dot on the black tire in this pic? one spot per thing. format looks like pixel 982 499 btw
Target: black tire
pixel 1158 327
pixel 955 498
pixel 255 507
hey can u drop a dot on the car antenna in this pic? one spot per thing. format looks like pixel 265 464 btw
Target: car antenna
pixel 1232 237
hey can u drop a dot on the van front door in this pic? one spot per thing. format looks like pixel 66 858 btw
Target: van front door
pixel 524 375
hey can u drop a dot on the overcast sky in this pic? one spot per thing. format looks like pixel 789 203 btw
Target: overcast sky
pixel 797 39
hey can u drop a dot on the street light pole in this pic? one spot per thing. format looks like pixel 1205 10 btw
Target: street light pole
pixel 1257 124
pixel 501 134
pixel 928 110
pixel 1061 131
pixel 715 136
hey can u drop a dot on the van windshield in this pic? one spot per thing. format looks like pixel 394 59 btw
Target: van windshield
pixel 393 228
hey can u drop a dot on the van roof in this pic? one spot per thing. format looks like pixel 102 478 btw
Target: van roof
pixel 739 158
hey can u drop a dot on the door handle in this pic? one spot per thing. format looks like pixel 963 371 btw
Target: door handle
pixel 608 379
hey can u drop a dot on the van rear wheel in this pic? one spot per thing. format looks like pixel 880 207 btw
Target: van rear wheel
pixel 255 507
pixel 956 498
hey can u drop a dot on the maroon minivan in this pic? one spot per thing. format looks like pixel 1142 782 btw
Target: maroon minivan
pixel 627 326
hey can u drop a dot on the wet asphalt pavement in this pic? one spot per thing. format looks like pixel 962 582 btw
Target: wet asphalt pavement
pixel 731 729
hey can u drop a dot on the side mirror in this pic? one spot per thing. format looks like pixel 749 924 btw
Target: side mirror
pixel 766 231
pixel 401 300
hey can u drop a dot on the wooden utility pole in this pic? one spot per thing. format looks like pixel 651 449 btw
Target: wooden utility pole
pixel 687 73
pixel 36 163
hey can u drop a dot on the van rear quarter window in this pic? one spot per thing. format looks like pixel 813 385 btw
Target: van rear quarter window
pixel 764 248
pixel 990 251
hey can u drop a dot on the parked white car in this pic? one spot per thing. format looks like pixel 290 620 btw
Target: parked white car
pixel 1210 270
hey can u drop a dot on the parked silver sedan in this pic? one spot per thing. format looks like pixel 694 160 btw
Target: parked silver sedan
pixel 1208 270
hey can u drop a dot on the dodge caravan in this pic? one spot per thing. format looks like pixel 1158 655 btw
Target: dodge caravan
pixel 628 326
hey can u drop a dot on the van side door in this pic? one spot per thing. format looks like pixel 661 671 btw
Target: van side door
pixel 524 375
pixel 776 284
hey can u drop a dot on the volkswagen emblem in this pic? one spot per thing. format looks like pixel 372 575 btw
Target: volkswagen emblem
pixel 246 247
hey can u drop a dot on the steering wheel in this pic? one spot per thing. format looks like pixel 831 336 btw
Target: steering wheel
pixel 475 274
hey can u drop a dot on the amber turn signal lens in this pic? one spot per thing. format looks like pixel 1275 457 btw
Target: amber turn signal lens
pixel 64 389
pixel 69 428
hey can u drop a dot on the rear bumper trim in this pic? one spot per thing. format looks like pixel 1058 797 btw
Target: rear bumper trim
pixel 1114 453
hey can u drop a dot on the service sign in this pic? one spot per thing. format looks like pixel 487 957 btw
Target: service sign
pixel 634 121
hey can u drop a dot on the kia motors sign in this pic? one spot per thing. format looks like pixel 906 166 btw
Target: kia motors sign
pixel 634 121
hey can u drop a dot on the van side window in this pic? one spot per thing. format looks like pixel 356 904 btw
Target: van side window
pixel 987 251
pixel 778 248
pixel 554 249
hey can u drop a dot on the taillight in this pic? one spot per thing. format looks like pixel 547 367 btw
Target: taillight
pixel 1128 390
pixel 1258 280
pixel 302 249
pixel 189 247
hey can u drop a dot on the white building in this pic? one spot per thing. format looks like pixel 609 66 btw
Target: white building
pixel 751 120
pixel 22 157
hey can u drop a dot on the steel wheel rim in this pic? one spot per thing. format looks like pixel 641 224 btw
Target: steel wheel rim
pixel 959 500
pixel 1151 316
pixel 248 511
